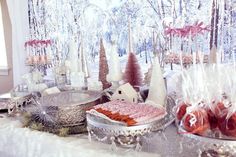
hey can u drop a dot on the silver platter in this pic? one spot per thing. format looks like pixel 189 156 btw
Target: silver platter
pixel 123 135
pixel 65 108
pixel 4 101
pixel 14 103
pixel 208 146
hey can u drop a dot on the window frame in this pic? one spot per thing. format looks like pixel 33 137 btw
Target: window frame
pixel 4 68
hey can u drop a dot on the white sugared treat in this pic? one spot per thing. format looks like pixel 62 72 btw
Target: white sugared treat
pixel 52 90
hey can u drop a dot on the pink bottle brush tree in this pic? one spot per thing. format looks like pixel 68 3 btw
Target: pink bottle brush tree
pixel 103 66
pixel 133 73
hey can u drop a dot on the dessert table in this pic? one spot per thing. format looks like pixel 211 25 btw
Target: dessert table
pixel 23 142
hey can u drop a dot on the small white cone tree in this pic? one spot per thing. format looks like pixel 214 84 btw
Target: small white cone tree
pixel 157 89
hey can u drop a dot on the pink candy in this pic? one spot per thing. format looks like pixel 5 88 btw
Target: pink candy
pixel 139 112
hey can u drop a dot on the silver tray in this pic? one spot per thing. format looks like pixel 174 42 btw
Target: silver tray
pixel 127 136
pixel 65 108
pixel 62 113
pixel 208 146
pixel 4 101
pixel 13 103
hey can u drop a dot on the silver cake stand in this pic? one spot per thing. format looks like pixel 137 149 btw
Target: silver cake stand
pixel 208 146
pixel 18 98
pixel 61 111
pixel 71 105
pixel 130 137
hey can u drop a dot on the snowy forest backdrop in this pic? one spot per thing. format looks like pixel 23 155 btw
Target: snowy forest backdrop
pixel 66 20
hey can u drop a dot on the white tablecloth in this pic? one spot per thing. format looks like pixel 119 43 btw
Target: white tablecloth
pixel 16 141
